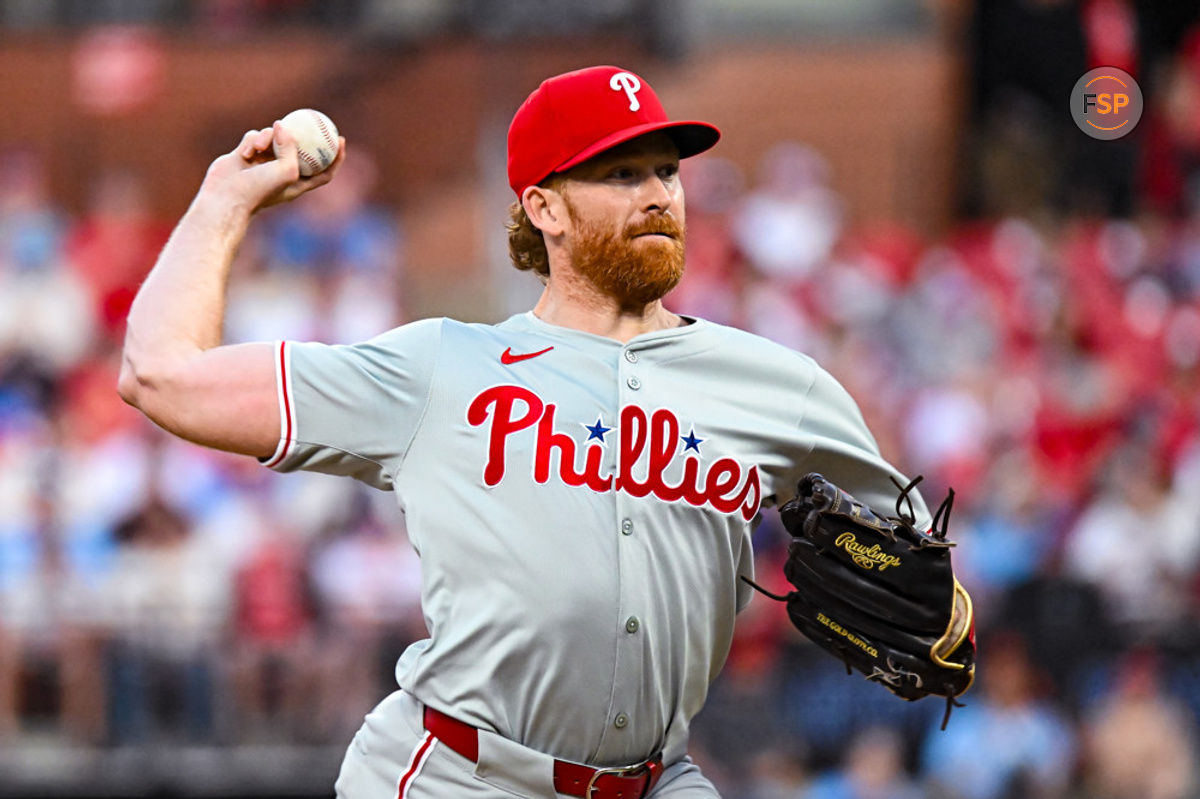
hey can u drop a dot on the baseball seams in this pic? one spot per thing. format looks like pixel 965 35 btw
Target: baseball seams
pixel 314 164
pixel 316 139
pixel 287 406
pixel 415 764
pixel 325 158
pixel 330 139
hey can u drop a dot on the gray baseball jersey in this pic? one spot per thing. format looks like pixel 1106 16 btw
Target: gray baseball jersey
pixel 582 507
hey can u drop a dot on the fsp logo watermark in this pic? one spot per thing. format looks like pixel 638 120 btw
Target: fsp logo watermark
pixel 1106 103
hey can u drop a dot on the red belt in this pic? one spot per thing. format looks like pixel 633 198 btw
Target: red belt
pixel 629 782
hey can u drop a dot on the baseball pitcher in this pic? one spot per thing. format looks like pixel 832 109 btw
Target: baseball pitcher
pixel 581 480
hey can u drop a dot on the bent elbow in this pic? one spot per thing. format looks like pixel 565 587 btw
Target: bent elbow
pixel 139 381
pixel 128 384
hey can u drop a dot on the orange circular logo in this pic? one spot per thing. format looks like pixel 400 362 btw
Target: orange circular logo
pixel 1106 103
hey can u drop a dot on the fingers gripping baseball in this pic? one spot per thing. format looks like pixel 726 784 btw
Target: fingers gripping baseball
pixel 258 174
pixel 254 144
pixel 282 144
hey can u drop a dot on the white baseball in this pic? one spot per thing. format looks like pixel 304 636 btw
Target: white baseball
pixel 316 139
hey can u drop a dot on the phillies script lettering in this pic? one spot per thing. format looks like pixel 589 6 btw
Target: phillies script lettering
pixel 651 439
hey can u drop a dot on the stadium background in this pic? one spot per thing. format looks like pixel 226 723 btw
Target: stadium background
pixel 900 192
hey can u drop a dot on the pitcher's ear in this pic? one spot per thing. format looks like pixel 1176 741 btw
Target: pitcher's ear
pixel 546 208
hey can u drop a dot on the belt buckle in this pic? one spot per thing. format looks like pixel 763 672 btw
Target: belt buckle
pixel 619 771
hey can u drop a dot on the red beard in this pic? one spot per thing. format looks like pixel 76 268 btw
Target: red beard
pixel 634 272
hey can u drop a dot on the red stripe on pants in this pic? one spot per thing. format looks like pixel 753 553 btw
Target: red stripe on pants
pixel 414 766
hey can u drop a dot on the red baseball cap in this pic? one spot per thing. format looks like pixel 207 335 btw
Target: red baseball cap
pixel 573 116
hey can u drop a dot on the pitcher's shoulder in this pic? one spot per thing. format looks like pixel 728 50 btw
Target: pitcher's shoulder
pixel 420 333
pixel 445 329
pixel 742 344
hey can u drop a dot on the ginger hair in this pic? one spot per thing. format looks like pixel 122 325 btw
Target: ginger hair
pixel 526 245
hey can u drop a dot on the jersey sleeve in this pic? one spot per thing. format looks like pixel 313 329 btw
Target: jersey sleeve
pixel 354 409
pixel 844 450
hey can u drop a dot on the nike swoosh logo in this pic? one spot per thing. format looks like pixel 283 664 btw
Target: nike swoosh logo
pixel 508 357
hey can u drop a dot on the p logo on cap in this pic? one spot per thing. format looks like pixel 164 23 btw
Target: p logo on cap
pixel 628 82
pixel 576 115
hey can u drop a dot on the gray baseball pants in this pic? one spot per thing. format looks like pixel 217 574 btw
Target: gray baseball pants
pixel 393 757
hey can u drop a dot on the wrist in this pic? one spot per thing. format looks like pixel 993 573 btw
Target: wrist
pixel 220 210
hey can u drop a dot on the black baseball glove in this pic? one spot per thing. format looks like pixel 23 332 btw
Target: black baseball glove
pixel 878 593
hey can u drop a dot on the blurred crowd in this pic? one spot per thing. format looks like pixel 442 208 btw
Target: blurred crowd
pixel 1050 373
pixel 151 588
pixel 1046 367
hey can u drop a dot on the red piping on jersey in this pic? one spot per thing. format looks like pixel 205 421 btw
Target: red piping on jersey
pixel 414 767
pixel 287 406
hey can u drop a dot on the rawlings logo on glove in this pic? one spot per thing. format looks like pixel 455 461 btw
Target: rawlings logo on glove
pixel 866 557
pixel 878 593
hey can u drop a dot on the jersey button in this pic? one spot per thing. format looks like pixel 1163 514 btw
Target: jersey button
pixel 627 526
pixel 634 383
pixel 631 624
pixel 631 356
pixel 620 721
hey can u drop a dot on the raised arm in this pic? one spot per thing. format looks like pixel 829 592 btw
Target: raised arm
pixel 173 367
